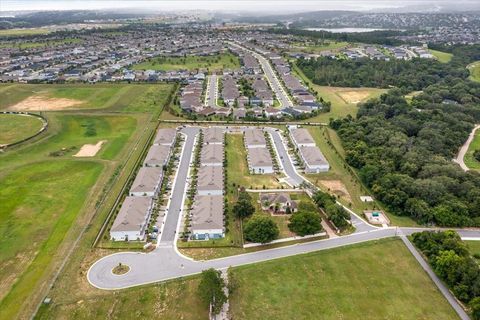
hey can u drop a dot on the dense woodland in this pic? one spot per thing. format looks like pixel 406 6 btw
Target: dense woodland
pixel 410 75
pixel 452 261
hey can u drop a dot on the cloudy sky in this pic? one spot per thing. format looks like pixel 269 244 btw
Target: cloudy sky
pixel 228 5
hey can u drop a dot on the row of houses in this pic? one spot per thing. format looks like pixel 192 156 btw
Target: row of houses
pixel 258 158
pixel 207 211
pixel 133 217
pixel 311 156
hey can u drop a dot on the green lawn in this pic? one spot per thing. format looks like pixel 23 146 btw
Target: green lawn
pixel 14 127
pixel 474 247
pixel 328 45
pixel 23 32
pixel 373 280
pixel 443 57
pixel 176 299
pixel 469 160
pixel 218 61
pixel 344 100
pixel 474 69
pixel 39 44
pixel 114 97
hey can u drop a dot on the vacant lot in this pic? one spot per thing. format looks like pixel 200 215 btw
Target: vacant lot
pixel 218 61
pixel 474 69
pixel 328 45
pixel 470 161
pixel 374 280
pixel 22 45
pixel 443 57
pixel 23 32
pixel 48 196
pixel 114 97
pixel 344 100
pixel 14 127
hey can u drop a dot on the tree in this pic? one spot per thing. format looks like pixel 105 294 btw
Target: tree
pixel 475 307
pixel 244 207
pixel 210 289
pixel 261 229
pixel 476 154
pixel 305 222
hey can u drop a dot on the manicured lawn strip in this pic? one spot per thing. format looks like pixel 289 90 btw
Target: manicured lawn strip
pixel 218 61
pixel 443 57
pixel 377 280
pixel 330 45
pixel 176 299
pixel 340 108
pixel 39 44
pixel 39 204
pixel 474 69
pixel 23 32
pixel 14 128
pixel 469 160
pixel 474 248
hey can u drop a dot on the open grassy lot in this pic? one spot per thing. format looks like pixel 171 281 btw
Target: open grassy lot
pixel 474 248
pixel 373 280
pixel 328 45
pixel 344 100
pixel 443 57
pixel 14 127
pixel 111 97
pixel 50 197
pixel 23 32
pixel 218 61
pixel 38 44
pixel 474 69
pixel 177 299
pixel 342 182
pixel 469 160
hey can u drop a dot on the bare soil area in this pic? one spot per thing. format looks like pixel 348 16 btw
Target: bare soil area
pixel 337 187
pixel 89 150
pixel 40 102
pixel 353 96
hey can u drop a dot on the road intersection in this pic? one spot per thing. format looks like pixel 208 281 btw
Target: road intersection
pixel 166 262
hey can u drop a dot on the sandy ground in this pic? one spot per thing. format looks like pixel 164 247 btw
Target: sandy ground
pixel 89 150
pixel 337 187
pixel 353 96
pixel 41 102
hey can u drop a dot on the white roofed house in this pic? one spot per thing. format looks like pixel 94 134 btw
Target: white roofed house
pixel 207 217
pixel 132 219
pixel 157 156
pixel 147 182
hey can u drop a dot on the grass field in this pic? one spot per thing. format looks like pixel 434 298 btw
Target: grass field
pixel 328 45
pixel 344 100
pixel 373 280
pixel 474 69
pixel 112 97
pixel 177 299
pixel 14 127
pixel 443 57
pixel 469 160
pixel 48 197
pixel 218 61
pixel 474 248
pixel 39 44
pixel 23 32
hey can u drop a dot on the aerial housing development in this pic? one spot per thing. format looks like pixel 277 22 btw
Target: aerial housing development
pixel 240 160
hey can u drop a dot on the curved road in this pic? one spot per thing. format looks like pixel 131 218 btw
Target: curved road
pixel 166 262
pixel 463 150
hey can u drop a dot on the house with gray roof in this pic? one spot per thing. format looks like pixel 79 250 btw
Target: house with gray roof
pixel 259 161
pixel 254 138
pixel 207 217
pixel 301 137
pixel 132 219
pixel 213 135
pixel 157 156
pixel 147 182
pixel 210 181
pixel 313 159
pixel 212 155
pixel 165 137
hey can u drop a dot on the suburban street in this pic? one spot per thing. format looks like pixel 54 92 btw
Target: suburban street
pixel 166 262
pixel 211 94
pixel 272 78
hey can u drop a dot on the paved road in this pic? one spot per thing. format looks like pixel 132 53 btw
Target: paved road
pixel 175 204
pixel 275 84
pixel 211 95
pixel 165 262
pixel 463 150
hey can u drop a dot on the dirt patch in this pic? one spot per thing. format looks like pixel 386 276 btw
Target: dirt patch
pixel 353 96
pixel 89 150
pixel 41 102
pixel 337 187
